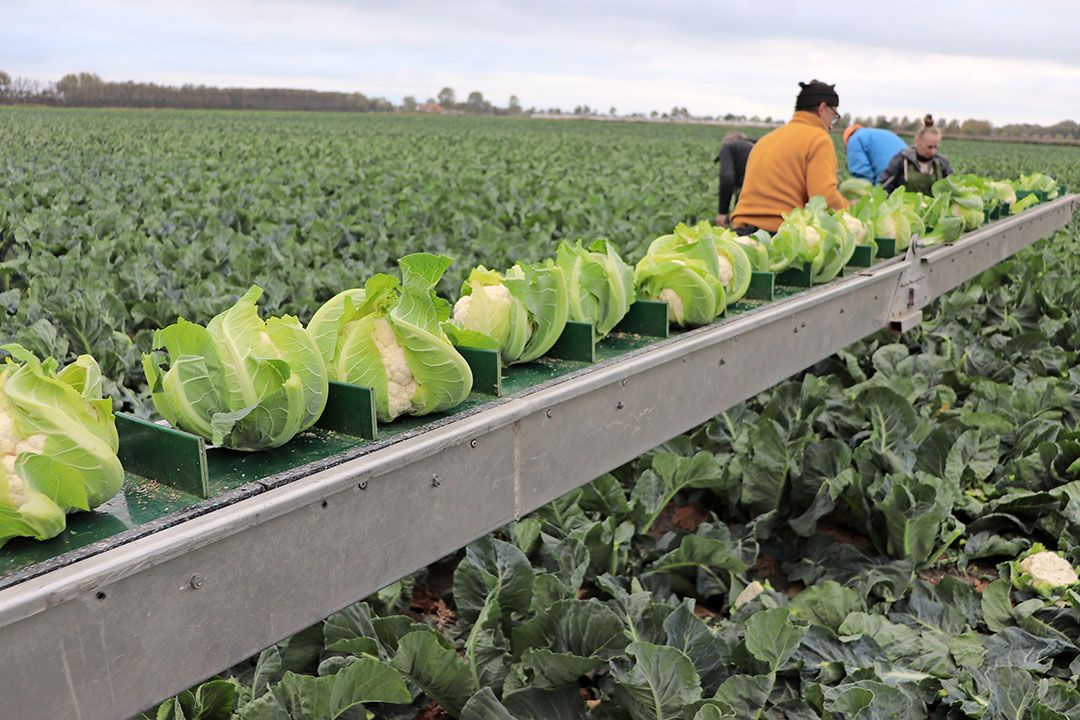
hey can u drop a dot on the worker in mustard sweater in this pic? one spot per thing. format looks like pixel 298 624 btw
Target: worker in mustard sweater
pixel 792 164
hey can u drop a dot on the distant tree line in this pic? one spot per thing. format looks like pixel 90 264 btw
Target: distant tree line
pixel 475 104
pixel 89 90
pixel 1067 130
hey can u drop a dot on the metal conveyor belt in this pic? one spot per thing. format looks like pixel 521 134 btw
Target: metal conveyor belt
pixel 110 627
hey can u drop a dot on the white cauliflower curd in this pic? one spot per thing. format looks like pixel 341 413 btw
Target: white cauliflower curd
pixel 674 302
pixel 1049 568
pixel 497 293
pixel 400 383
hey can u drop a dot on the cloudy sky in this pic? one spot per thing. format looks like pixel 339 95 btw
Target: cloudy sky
pixel 1005 61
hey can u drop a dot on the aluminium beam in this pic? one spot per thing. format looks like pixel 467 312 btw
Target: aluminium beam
pixel 948 266
pixel 115 633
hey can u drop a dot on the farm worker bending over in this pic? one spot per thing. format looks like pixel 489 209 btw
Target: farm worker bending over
pixel 792 164
pixel 732 158
pixel 917 167
pixel 869 151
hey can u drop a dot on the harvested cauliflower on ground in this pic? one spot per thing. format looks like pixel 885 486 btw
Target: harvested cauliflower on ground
pixel 750 592
pixel 1043 571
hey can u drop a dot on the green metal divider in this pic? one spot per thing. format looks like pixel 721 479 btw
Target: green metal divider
pixel 646 317
pixel 350 410
pixel 796 276
pixel 886 248
pixel 163 454
pixel 486 366
pixel 863 257
pixel 762 285
pixel 577 342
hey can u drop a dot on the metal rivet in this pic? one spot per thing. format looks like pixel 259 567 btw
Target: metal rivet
pixel 363 485
pixel 623 382
pixel 473 443
pixel 619 405
pixel 435 481
pixel 548 413
pixel 684 360
pixel 100 595
pixel 196 581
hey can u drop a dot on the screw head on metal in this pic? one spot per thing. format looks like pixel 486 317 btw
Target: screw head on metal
pixel 547 413
pixel 196 581
pixel 723 361
pixel 473 443
pixel 623 382
pixel 435 481
pixel 619 405
pixel 363 485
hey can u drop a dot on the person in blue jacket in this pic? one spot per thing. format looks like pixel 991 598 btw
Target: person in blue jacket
pixel 869 151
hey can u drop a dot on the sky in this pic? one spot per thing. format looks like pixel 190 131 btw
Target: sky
pixel 1003 61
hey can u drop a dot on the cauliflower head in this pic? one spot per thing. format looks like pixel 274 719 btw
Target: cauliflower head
pixel 401 385
pixel 727 271
pixel 675 303
pixel 1043 571
pixel 855 226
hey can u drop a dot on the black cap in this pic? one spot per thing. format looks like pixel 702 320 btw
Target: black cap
pixel 815 92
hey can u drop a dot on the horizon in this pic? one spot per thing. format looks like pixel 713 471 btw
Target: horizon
pixel 1008 67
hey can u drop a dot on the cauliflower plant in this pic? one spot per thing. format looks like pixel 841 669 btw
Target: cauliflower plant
pixel 240 382
pixel 599 283
pixel 520 313
pixel 687 270
pixel 389 337
pixel 1003 191
pixel 58 444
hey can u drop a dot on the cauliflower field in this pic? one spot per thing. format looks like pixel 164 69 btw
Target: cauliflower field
pixel 893 534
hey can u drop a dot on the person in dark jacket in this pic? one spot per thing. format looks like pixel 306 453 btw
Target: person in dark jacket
pixel 734 152
pixel 918 167
pixel 869 151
